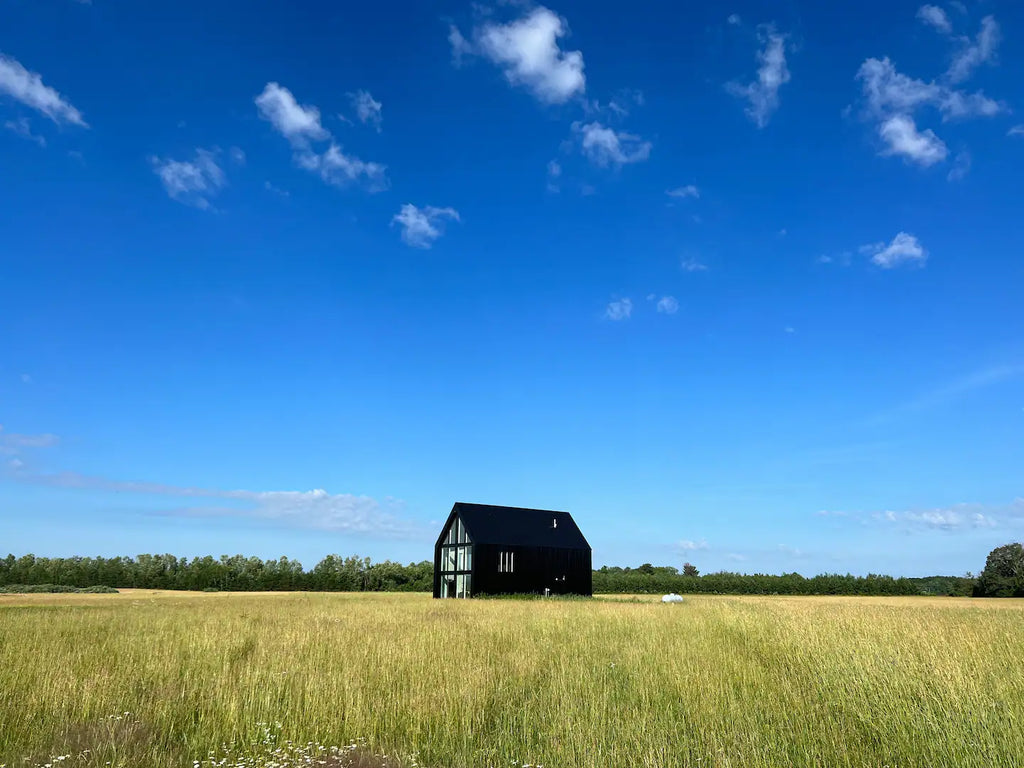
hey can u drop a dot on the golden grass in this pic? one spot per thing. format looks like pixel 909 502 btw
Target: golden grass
pixel 717 681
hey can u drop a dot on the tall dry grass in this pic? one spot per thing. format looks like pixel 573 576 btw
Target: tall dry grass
pixel 740 682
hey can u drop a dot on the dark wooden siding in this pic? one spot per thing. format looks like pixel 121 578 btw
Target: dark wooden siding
pixel 563 571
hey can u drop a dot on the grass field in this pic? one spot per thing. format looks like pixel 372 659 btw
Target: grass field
pixel 150 680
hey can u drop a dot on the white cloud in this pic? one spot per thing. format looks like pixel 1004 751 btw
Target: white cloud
pixel 275 189
pixel 693 265
pixel 902 138
pixel 1017 130
pixel 422 226
pixel 888 92
pixel 975 52
pixel 687 545
pixel 301 126
pixel 368 110
pixel 315 509
pixel 554 174
pixel 237 155
pixel 961 167
pixel 958 517
pixel 13 443
pixel 689 190
pixel 789 329
pixel 319 510
pixel 619 310
pixel 904 249
pixel 191 182
pixel 528 53
pixel 668 305
pixel 23 128
pixel 734 19
pixel 25 378
pixel 339 169
pixel 461 47
pixel 762 94
pixel 736 557
pixel 951 391
pixel 605 146
pixel 934 17
pixel 892 98
pixel 28 88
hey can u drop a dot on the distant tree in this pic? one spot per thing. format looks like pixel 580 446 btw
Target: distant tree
pixel 689 569
pixel 1004 573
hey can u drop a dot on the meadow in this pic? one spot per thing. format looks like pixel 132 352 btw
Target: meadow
pixel 154 680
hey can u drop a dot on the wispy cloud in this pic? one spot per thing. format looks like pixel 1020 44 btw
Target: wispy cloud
pixel 618 310
pixel 192 182
pixel 605 146
pixel 23 128
pixel 422 226
pixel 954 518
pixel 338 169
pixel 961 167
pixel 693 265
pixel 888 92
pixel 368 109
pixel 689 545
pixel 690 190
pixel 316 509
pixel 891 99
pixel 275 189
pixel 935 18
pixel 667 305
pixel 973 53
pixel 904 249
pixel 13 443
pixel 1017 130
pixel 554 175
pixel 952 391
pixel 301 126
pixel 28 88
pixel 528 53
pixel 762 95
pixel 843 258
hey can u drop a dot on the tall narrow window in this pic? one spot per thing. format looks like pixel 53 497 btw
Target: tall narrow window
pixel 506 562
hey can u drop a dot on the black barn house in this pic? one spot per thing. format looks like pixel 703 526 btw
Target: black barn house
pixel 488 550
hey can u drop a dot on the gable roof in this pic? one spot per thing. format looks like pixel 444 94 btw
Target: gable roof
pixel 517 526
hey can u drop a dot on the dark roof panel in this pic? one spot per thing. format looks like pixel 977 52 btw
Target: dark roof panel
pixel 517 526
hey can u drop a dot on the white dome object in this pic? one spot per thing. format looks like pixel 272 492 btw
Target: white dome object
pixel 672 598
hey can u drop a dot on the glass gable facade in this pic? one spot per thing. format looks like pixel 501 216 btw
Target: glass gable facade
pixel 457 562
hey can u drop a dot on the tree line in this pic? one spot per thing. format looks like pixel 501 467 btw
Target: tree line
pixel 235 573
pixel 355 574
pixel 650 579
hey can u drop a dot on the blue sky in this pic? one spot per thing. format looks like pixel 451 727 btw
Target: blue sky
pixel 734 285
